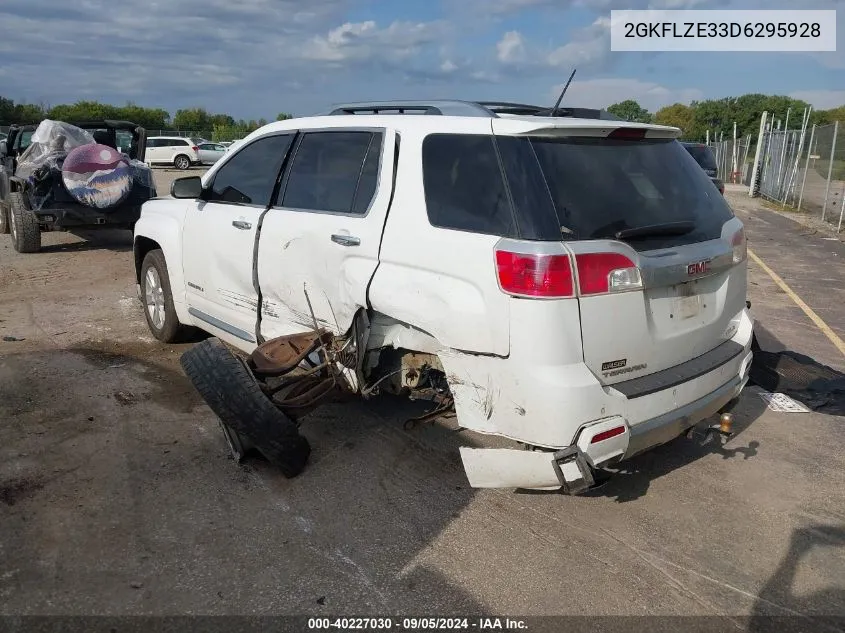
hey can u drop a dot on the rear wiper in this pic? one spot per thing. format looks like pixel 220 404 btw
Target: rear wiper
pixel 653 230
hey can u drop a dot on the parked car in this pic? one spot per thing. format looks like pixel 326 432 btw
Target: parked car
pixel 568 284
pixel 703 155
pixel 179 152
pixel 210 153
pixel 59 176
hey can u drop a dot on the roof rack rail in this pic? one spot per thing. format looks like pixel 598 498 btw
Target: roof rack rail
pixel 505 107
pixel 502 107
pixel 489 109
pixel 439 107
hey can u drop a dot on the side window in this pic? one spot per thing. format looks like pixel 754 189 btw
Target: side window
pixel 183 143
pixel 464 187
pixel 249 176
pixel 334 171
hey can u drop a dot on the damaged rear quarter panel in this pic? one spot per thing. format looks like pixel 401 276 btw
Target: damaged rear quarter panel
pixel 542 393
pixel 437 280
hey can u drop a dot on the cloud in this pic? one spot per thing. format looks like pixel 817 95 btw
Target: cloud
pixel 365 40
pixel 501 8
pixel 600 93
pixel 821 99
pixel 511 47
pixel 590 46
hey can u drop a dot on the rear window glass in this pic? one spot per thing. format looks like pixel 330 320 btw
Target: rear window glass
pixel 603 186
pixel 702 155
pixel 464 187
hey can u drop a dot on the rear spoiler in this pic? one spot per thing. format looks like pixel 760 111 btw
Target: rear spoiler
pixel 583 128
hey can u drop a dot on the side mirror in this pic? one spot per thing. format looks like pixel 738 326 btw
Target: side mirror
pixel 189 187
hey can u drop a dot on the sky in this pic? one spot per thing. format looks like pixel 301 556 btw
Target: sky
pixel 256 58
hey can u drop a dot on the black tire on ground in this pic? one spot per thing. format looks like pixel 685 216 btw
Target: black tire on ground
pixel 182 162
pixel 170 330
pixel 5 229
pixel 230 389
pixel 26 234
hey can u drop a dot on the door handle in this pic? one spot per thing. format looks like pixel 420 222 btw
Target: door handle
pixel 240 224
pixel 346 240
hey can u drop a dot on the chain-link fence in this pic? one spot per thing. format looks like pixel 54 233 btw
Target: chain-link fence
pixel 182 133
pixel 804 169
pixel 732 159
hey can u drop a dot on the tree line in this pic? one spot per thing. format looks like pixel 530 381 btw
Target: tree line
pixel 695 119
pixel 719 115
pixel 221 127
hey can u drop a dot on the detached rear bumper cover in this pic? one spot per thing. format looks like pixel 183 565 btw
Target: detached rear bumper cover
pixel 547 470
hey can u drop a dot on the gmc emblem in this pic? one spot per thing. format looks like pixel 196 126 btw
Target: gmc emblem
pixel 699 268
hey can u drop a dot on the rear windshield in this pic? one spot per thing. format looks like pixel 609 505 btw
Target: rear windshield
pixel 602 186
pixel 571 188
pixel 702 155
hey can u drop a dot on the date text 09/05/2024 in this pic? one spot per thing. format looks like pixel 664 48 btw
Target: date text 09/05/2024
pixel 416 624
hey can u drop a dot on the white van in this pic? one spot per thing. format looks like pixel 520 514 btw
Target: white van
pixel 172 150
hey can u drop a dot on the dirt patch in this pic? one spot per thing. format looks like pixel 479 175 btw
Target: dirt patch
pixel 11 492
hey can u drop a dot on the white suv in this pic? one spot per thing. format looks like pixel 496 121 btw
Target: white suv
pixel 179 152
pixel 574 285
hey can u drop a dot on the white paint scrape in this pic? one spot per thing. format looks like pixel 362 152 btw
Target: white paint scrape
pixel 782 403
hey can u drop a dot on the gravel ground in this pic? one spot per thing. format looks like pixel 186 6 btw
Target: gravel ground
pixel 117 494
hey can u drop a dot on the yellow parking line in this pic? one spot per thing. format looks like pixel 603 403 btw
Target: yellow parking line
pixel 815 318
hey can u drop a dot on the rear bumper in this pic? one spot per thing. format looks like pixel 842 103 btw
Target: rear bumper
pixel 571 469
pixel 77 216
pixel 573 414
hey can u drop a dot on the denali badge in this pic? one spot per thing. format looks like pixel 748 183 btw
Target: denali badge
pixel 699 268
pixel 614 364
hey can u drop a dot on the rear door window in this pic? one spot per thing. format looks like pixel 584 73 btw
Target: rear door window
pixel 464 187
pixel 334 171
pixel 603 186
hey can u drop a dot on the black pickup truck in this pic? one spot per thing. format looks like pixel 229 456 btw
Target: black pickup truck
pixel 45 186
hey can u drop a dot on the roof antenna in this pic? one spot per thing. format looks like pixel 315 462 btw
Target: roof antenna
pixel 560 98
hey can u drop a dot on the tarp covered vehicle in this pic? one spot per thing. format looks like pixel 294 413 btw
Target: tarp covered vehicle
pixel 59 176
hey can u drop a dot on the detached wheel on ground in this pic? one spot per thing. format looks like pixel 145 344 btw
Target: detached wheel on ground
pixel 158 300
pixel 229 388
pixel 182 162
pixel 26 234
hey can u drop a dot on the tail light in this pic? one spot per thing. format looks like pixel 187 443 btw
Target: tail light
pixel 535 275
pixel 550 276
pixel 740 246
pixel 195 148
pixel 599 273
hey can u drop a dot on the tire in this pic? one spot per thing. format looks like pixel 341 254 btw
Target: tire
pixel 26 234
pixel 5 229
pixel 157 300
pixel 182 162
pixel 231 391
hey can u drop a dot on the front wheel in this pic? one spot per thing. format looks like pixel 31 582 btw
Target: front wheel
pixel 182 162
pixel 158 299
